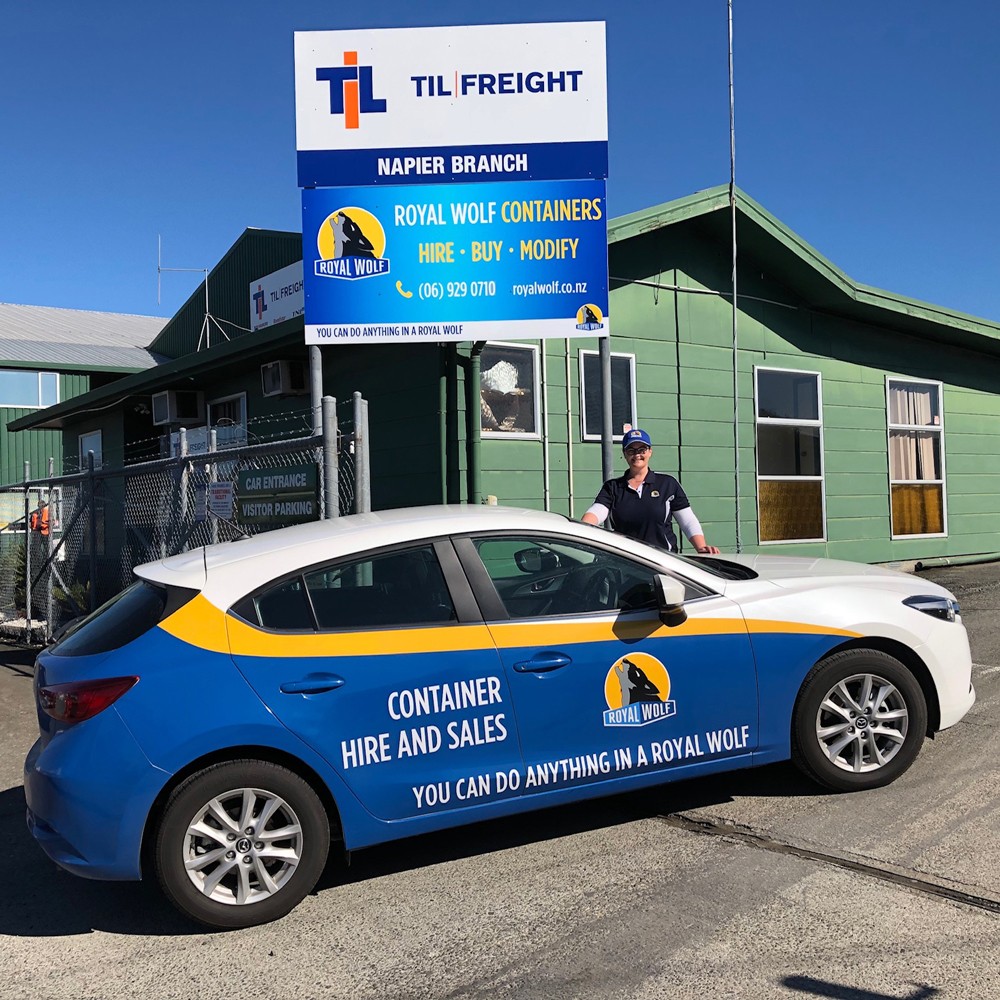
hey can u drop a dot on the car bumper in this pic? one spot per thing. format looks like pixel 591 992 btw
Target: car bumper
pixel 948 657
pixel 89 790
pixel 954 709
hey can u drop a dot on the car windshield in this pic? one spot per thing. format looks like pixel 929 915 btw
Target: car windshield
pixel 721 567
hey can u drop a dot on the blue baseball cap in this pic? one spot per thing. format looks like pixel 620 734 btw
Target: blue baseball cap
pixel 636 436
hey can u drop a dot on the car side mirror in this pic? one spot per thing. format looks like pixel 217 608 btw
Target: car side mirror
pixel 670 600
pixel 528 560
pixel 536 560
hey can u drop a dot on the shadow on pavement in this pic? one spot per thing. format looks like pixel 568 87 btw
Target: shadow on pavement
pixel 18 660
pixel 564 821
pixel 41 900
pixel 822 988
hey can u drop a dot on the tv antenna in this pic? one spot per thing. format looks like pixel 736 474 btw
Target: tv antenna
pixel 206 326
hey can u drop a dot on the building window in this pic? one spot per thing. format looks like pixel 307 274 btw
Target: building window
pixel 28 389
pixel 508 391
pixel 91 442
pixel 916 457
pixel 228 416
pixel 790 492
pixel 622 393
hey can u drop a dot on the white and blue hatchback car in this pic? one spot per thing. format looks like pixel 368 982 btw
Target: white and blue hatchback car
pixel 354 681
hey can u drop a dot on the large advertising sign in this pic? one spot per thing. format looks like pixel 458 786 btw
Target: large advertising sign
pixel 524 260
pixel 497 102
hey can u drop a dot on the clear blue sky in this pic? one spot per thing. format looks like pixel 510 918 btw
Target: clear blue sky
pixel 869 128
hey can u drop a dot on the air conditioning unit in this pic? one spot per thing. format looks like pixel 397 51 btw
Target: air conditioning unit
pixel 178 406
pixel 284 378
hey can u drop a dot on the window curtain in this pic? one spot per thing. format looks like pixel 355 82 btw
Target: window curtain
pixel 911 454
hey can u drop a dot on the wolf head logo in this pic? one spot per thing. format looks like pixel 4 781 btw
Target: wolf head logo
pixel 348 239
pixel 635 685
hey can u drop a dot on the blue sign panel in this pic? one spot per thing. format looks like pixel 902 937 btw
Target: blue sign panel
pixel 459 164
pixel 455 262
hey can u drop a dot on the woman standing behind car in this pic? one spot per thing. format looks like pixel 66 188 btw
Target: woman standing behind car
pixel 642 503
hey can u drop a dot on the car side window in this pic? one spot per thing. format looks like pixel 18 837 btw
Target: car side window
pixel 284 607
pixel 382 591
pixel 537 578
pixel 388 590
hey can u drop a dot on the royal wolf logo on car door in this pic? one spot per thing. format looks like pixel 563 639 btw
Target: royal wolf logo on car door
pixel 602 691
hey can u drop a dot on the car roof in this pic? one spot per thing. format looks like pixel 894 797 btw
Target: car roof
pixel 230 569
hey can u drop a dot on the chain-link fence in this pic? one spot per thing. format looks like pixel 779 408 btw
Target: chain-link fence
pixel 69 543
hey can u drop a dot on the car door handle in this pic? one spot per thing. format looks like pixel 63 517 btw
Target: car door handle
pixel 541 662
pixel 313 684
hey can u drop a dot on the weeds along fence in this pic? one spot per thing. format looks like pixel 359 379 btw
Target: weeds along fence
pixel 69 543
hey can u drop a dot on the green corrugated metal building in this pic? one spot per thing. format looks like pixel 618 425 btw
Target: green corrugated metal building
pixel 866 420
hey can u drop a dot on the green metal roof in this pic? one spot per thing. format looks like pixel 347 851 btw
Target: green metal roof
pixel 819 283
pixel 169 375
pixel 255 253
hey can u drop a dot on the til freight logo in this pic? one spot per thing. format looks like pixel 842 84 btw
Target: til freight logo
pixel 259 304
pixel 351 245
pixel 351 90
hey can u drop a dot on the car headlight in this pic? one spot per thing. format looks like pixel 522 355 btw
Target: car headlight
pixel 945 608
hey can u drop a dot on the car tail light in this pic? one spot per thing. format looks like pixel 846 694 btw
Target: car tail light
pixel 80 700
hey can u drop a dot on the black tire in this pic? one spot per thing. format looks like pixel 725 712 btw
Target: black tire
pixel 879 742
pixel 271 873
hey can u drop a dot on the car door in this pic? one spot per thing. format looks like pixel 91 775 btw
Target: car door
pixel 601 688
pixel 385 668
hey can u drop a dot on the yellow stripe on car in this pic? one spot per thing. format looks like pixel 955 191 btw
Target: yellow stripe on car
pixel 200 623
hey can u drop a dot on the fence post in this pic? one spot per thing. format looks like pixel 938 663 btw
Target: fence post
pixel 362 472
pixel 27 555
pixel 182 478
pixel 331 459
pixel 50 538
pixel 316 388
pixel 93 531
pixel 213 444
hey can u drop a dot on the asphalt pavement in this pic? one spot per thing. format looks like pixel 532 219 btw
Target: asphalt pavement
pixel 749 885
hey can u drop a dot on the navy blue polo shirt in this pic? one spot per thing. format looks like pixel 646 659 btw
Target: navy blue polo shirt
pixel 646 517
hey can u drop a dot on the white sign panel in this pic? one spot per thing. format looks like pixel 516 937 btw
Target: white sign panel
pixel 220 500
pixel 429 105
pixel 276 297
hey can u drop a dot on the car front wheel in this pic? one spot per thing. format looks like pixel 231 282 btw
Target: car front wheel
pixel 241 843
pixel 859 721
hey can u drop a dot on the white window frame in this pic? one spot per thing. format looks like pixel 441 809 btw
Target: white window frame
pixel 209 425
pixel 536 393
pixel 937 428
pixel 38 390
pixel 98 451
pixel 784 422
pixel 619 431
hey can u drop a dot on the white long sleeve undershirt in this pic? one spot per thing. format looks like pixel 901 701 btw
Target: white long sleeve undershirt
pixel 685 519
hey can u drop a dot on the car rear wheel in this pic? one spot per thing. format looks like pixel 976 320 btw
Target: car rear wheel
pixel 859 721
pixel 241 843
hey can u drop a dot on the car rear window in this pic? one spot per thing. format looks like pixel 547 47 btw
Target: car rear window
pixel 124 618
